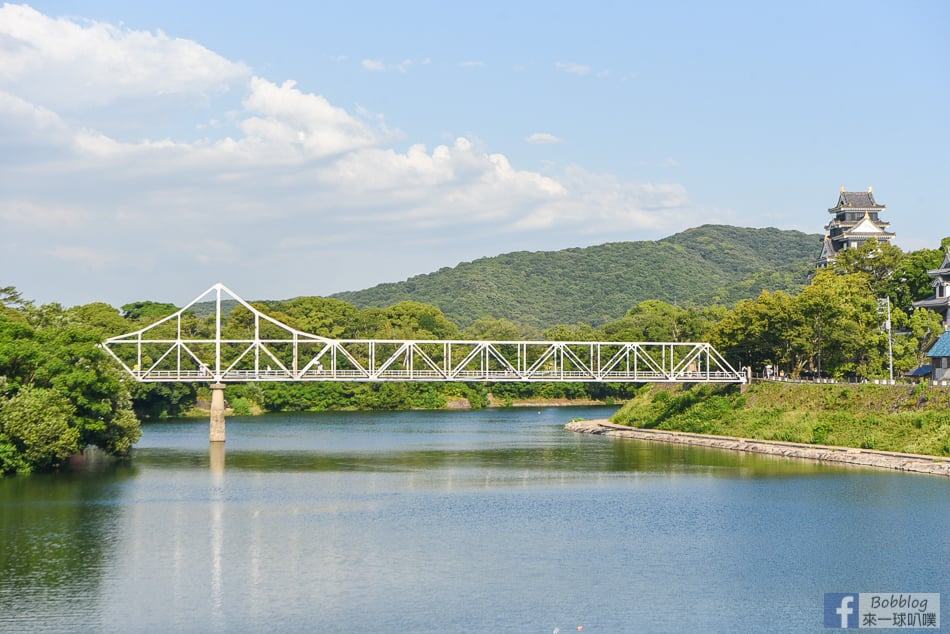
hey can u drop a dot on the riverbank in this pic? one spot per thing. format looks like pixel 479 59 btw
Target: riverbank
pixel 906 419
pixel 203 407
pixel 914 463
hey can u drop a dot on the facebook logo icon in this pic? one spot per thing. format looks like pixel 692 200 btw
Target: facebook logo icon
pixel 841 609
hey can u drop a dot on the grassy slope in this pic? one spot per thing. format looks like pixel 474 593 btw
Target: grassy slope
pixel 907 418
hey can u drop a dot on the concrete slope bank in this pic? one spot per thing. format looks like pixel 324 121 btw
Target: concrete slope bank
pixel 915 463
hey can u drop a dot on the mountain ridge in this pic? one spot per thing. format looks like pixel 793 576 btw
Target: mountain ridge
pixel 596 284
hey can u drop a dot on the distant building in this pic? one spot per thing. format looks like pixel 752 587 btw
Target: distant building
pixel 940 355
pixel 940 302
pixel 857 219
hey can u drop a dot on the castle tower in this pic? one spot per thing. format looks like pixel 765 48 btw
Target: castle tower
pixel 856 220
pixel 940 302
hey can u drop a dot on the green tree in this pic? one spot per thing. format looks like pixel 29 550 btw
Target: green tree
pixel 103 318
pixel 415 320
pixel 913 335
pixel 877 260
pixel 10 297
pixel 654 320
pixel 841 322
pixel 148 312
pixel 162 400
pixel 51 360
pixel 570 332
pixel 318 315
pixel 495 329
pixel 911 282
pixel 36 430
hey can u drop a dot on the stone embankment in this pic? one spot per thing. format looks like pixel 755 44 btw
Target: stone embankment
pixel 916 463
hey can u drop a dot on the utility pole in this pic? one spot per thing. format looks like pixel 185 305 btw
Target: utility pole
pixel 885 304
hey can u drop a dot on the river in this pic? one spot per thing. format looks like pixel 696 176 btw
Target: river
pixel 466 521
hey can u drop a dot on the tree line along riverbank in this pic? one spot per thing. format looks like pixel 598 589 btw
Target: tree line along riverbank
pixel 898 418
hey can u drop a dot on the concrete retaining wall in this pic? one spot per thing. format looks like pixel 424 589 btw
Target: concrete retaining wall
pixel 916 463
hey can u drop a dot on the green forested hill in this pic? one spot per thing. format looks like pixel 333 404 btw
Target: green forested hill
pixel 705 265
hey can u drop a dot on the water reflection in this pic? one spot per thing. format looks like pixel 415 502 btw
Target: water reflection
pixel 217 459
pixel 57 534
pixel 216 454
pixel 560 453
pixel 493 521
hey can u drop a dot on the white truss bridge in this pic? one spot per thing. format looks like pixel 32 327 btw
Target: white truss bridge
pixel 250 346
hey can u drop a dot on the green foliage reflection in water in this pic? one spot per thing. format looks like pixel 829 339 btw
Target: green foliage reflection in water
pixel 60 392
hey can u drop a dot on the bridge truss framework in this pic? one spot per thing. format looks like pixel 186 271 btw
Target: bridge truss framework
pixel 167 352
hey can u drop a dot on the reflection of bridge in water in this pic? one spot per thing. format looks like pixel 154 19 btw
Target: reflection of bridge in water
pixel 249 346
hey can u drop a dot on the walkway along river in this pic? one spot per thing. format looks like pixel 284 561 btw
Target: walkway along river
pixel 917 463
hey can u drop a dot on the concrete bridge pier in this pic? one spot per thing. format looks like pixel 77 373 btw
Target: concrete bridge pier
pixel 217 412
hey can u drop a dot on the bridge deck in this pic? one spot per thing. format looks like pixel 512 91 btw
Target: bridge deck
pixel 403 376
pixel 269 350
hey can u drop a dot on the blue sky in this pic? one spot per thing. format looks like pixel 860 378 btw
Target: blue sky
pixel 290 149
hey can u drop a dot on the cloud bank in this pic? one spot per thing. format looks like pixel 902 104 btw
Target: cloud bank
pixel 281 193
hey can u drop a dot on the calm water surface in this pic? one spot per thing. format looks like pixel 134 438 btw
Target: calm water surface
pixel 488 521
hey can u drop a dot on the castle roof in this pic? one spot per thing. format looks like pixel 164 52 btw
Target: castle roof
pixel 942 347
pixel 856 200
pixel 933 303
pixel 864 229
pixel 944 268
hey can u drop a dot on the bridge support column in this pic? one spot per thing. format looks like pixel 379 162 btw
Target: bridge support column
pixel 217 412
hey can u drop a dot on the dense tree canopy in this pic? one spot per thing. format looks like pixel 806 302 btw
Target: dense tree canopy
pixel 60 392
pixel 598 284
pixel 837 326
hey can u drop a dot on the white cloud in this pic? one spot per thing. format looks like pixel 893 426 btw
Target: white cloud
pixel 542 138
pixel 293 187
pixel 32 214
pixel 373 64
pixel 378 65
pixel 574 69
pixel 472 64
pixel 60 63
pixel 84 257
pixel 307 124
pixel 20 118
pixel 601 203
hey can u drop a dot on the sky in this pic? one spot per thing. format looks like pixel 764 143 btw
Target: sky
pixel 150 150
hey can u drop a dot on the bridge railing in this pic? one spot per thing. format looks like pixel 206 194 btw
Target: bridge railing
pixel 244 376
pixel 165 352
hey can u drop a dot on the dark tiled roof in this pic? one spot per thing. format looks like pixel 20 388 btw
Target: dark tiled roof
pixel 932 302
pixel 861 200
pixel 942 347
pixel 944 268
pixel 924 370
